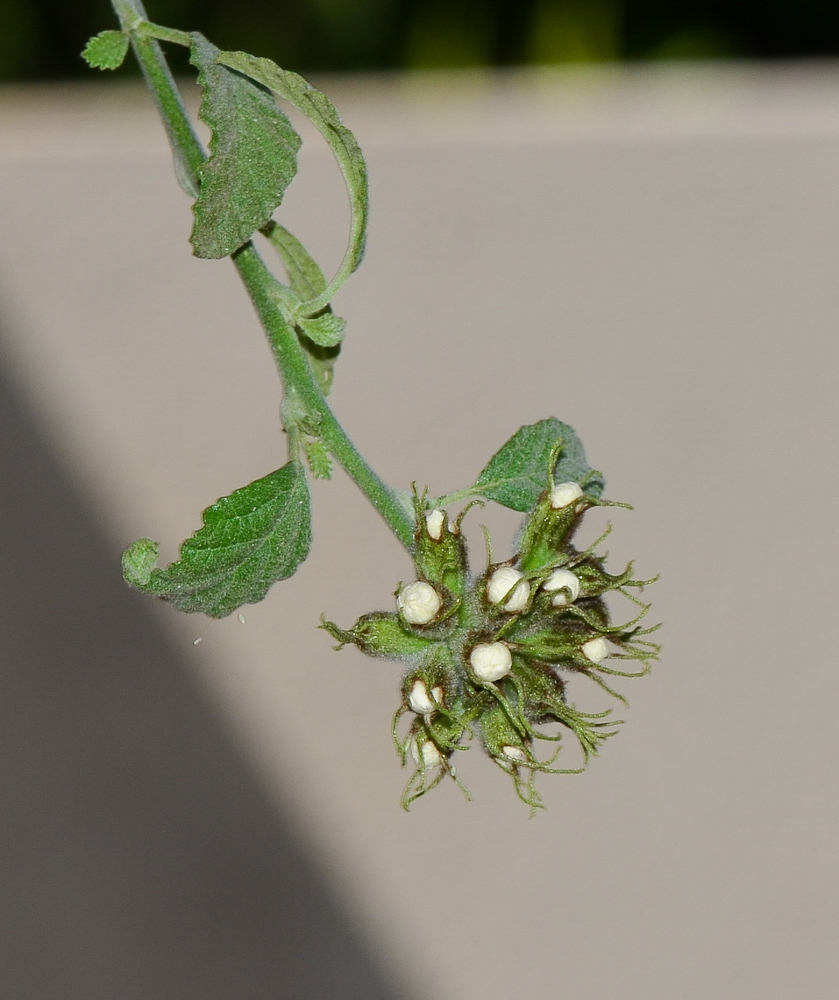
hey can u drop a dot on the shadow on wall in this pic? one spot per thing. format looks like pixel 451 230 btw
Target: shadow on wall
pixel 138 856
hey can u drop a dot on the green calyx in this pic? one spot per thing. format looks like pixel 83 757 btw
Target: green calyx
pixel 490 656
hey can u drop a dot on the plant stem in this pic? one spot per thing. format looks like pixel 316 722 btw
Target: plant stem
pixel 298 378
pixel 186 148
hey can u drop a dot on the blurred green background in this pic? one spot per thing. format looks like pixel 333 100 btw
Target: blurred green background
pixel 41 39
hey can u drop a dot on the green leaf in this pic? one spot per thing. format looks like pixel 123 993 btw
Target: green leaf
pixel 326 330
pixel 518 473
pixel 321 112
pixel 304 273
pixel 106 50
pixel 307 282
pixel 138 562
pixel 318 458
pixel 258 535
pixel 253 156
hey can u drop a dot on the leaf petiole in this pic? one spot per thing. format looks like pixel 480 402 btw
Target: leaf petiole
pixel 163 34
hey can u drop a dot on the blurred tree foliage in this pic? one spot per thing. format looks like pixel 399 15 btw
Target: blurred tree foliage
pixel 41 39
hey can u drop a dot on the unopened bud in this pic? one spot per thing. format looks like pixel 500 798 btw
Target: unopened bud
pixel 564 494
pixel 419 700
pixel 563 580
pixel 434 521
pixel 419 602
pixel 502 582
pixel 595 650
pixel 491 661
pixel 429 754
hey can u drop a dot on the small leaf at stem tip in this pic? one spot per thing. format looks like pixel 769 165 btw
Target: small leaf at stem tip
pixel 106 50
pixel 326 330
pixel 321 112
pixel 253 156
pixel 517 473
pixel 251 539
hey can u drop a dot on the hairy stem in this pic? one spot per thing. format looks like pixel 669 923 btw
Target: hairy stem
pixel 299 380
pixel 186 147
pixel 297 376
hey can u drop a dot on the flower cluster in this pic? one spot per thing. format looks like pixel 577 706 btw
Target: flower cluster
pixel 489 656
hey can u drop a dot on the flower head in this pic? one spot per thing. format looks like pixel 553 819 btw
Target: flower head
pixel 491 657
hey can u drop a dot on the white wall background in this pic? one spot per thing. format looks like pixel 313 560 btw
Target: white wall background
pixel 650 256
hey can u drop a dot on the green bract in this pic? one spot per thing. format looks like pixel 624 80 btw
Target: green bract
pixel 493 663
pixel 106 50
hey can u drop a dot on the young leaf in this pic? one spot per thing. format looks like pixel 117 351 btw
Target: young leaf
pixel 318 458
pixel 326 330
pixel 307 282
pixel 304 273
pixel 518 472
pixel 253 156
pixel 106 50
pixel 321 112
pixel 258 535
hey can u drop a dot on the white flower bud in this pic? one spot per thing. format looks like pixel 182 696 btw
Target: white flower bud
pixel 564 494
pixel 491 661
pixel 502 582
pixel 563 580
pixel 595 650
pixel 418 699
pixel 515 754
pixel 437 693
pixel 431 756
pixel 419 602
pixel 434 521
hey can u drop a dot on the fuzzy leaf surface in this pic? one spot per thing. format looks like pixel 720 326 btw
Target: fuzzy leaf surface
pixel 326 330
pixel 138 562
pixel 253 156
pixel 249 540
pixel 321 112
pixel 106 50
pixel 517 473
pixel 304 274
